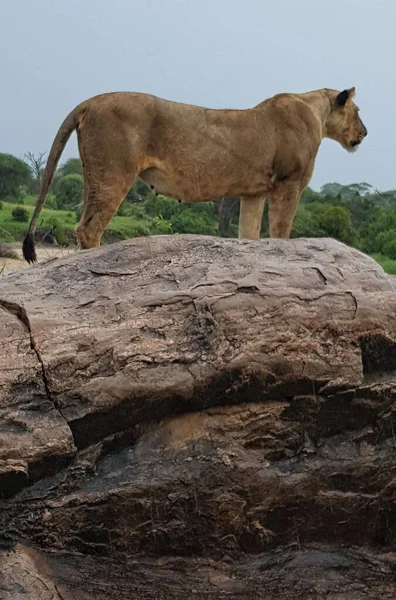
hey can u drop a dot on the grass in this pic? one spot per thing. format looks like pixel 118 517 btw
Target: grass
pixel 14 231
pixel 31 200
pixel 388 264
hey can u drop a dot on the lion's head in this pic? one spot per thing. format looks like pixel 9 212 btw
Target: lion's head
pixel 343 123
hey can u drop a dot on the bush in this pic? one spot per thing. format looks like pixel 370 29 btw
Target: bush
pixel 59 235
pixel 162 224
pixel 15 176
pixel 188 221
pixel 72 166
pixel 389 248
pixel 136 211
pixel 50 202
pixel 20 214
pixel 123 210
pixel 1 205
pixel 182 217
pixel 335 222
pixel 69 191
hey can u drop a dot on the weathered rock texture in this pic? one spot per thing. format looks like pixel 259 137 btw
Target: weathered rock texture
pixel 189 415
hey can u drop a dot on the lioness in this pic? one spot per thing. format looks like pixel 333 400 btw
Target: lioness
pixel 198 154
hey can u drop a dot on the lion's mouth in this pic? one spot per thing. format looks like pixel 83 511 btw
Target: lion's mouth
pixel 355 143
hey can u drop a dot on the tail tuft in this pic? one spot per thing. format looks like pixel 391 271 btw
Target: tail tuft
pixel 28 249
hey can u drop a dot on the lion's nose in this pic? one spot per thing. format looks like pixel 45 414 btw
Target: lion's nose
pixel 364 131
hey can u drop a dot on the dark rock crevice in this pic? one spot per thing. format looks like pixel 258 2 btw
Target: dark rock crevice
pixel 20 313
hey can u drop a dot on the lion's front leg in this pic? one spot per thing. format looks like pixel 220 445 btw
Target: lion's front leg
pixel 250 216
pixel 282 208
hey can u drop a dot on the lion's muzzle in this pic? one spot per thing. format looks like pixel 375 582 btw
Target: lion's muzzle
pixel 361 136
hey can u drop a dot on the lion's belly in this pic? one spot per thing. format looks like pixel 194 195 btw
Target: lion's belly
pixel 197 188
pixel 168 185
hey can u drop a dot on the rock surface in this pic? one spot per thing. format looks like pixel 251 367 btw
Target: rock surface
pixel 192 414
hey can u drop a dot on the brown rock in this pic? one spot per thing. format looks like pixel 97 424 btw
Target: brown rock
pixel 226 402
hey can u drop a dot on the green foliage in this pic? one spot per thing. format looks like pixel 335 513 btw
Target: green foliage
pixel 162 224
pixel 388 264
pixel 309 195
pixel 317 219
pixel 20 214
pixel 1 205
pixel 123 210
pixel 15 176
pixel 306 222
pixel 336 190
pixel 137 211
pixel 139 192
pixel 72 166
pixel 379 230
pixel 335 222
pixel 389 247
pixel 184 218
pixel 122 228
pixel 69 191
pixel 189 221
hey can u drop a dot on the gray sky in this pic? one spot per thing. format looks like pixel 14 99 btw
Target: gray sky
pixel 215 53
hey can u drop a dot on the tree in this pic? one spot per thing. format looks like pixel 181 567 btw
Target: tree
pixel 335 222
pixel 362 188
pixel 15 174
pixel 389 247
pixel 226 210
pixel 331 189
pixel 309 195
pixel 72 166
pixel 36 163
pixel 379 231
pixel 69 191
pixel 306 222
pixel 318 219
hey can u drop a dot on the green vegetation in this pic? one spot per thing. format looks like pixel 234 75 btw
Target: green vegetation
pixel 355 214
pixel 20 214
pixel 15 177
pixel 388 264
pixel 69 191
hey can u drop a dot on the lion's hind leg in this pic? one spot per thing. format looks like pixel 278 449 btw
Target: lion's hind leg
pixel 101 201
pixel 110 157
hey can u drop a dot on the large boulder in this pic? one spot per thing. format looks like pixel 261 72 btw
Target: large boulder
pixel 192 414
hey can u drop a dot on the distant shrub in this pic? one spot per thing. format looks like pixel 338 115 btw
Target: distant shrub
pixel 20 214
pixel 69 191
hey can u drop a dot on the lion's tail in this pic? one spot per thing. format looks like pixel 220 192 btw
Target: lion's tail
pixel 60 141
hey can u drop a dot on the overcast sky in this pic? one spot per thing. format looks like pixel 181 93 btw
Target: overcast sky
pixel 214 53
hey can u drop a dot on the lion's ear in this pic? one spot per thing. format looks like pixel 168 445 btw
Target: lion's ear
pixel 343 96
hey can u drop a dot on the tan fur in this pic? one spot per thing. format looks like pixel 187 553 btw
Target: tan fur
pixel 197 154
